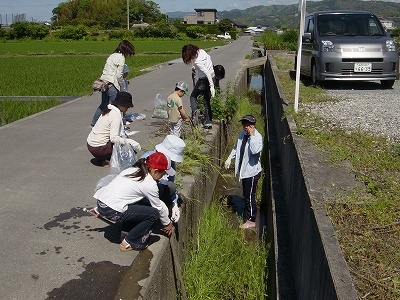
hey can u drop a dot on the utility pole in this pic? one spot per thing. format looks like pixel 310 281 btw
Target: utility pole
pixel 127 14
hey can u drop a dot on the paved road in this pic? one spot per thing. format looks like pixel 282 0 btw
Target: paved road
pixel 49 248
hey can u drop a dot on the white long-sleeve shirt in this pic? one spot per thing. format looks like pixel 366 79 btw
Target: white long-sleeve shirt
pixel 107 128
pixel 251 164
pixel 122 191
pixel 113 71
pixel 204 66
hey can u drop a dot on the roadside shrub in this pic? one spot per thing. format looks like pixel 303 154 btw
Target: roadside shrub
pixel 117 34
pixel 72 32
pixel 289 39
pixel 23 30
pixel 160 30
pixel 285 41
pixel 194 31
pixel 395 32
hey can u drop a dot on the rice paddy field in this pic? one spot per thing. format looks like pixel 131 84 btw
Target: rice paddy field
pixel 68 68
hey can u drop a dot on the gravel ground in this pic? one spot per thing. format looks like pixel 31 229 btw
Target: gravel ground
pixel 364 107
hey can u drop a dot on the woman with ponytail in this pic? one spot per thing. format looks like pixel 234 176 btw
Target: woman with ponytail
pixel 125 201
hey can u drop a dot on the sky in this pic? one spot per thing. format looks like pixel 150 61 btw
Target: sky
pixel 40 10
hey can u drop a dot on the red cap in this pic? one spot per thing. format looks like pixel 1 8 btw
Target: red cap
pixel 159 161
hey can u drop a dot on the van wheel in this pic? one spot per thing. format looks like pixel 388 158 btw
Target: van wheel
pixel 387 84
pixel 314 74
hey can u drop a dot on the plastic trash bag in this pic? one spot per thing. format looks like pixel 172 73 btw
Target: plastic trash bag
pixel 104 181
pixel 160 108
pixel 123 156
pixel 134 116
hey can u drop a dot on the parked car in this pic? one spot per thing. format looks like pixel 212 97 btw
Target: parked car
pixel 348 45
pixel 226 36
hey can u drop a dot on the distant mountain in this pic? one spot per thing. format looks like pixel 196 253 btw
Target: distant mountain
pixel 287 15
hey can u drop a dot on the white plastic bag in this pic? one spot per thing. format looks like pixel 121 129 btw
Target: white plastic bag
pixel 123 156
pixel 104 181
pixel 160 108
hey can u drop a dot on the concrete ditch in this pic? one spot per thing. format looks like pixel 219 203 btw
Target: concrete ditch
pixel 306 261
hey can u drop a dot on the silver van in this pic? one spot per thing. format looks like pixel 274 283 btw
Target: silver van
pixel 348 45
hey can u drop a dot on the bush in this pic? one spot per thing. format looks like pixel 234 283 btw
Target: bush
pixel 72 32
pixel 160 30
pixel 285 41
pixel 194 31
pixel 22 30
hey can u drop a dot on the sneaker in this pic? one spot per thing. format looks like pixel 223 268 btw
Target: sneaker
pixel 195 117
pixel 248 224
pixel 125 247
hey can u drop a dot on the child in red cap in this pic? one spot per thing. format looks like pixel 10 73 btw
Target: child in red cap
pixel 125 200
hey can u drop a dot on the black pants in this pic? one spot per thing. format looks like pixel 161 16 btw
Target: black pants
pixel 202 87
pixel 249 194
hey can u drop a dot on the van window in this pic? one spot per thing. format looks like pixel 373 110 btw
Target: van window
pixel 348 25
pixel 374 29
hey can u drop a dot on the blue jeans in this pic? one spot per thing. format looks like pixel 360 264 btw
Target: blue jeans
pixel 106 98
pixel 138 220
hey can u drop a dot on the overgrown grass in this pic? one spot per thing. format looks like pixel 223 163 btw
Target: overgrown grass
pixel 11 110
pixel 366 221
pixel 221 264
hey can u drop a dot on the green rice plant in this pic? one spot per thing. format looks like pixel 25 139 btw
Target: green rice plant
pixel 222 264
pixel 11 110
pixel 156 46
pixel 62 75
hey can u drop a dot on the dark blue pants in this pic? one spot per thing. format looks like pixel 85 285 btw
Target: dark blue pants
pixel 138 220
pixel 249 194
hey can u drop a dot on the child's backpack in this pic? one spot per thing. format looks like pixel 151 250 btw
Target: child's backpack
pixel 219 72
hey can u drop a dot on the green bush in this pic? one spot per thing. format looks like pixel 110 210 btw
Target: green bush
pixel 285 41
pixel 23 30
pixel 72 32
pixel 160 30
pixel 195 31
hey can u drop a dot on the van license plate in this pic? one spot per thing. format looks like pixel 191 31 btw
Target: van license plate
pixel 362 67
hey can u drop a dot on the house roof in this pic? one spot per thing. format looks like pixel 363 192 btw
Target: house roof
pixel 205 9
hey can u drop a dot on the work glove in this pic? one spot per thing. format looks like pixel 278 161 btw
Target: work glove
pixel 135 145
pixel 228 163
pixel 175 213
pixel 212 90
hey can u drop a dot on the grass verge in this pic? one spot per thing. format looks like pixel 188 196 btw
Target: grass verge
pixel 222 263
pixel 366 221
pixel 215 268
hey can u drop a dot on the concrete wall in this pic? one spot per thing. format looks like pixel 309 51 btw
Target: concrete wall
pixel 163 281
pixel 308 260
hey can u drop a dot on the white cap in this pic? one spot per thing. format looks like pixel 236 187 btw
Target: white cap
pixel 173 147
pixel 183 86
